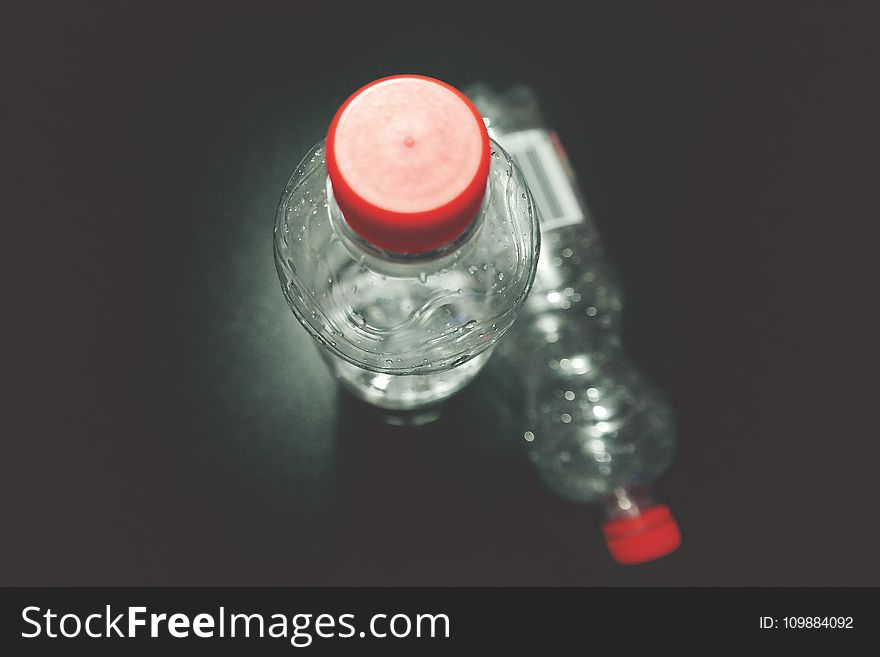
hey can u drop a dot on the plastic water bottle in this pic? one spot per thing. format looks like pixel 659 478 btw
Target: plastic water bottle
pixel 406 242
pixel 595 429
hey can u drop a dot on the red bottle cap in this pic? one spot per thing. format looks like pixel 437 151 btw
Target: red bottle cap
pixel 408 157
pixel 645 537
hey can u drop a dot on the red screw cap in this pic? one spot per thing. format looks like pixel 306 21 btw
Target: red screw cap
pixel 408 157
pixel 646 537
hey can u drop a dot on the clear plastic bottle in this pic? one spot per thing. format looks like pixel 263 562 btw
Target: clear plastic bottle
pixel 595 429
pixel 406 243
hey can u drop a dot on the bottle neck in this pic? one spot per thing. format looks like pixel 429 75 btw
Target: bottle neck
pixel 627 502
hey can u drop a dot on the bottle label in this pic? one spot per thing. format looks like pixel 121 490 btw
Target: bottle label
pixel 545 167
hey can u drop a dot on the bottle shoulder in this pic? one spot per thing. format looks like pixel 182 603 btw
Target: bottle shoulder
pixel 400 314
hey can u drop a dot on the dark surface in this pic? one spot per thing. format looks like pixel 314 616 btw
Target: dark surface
pixel 170 422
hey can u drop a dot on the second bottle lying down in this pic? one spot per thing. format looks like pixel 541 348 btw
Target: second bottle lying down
pixel 596 430
pixel 406 242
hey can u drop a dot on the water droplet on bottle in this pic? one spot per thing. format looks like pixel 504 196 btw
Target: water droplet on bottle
pixel 469 325
pixel 423 277
pixel 569 395
pixel 472 269
pixel 529 436
pixel 388 361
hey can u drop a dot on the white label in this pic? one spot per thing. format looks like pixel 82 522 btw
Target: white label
pixel 546 175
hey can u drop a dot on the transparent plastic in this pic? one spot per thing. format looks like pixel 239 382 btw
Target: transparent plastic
pixel 594 427
pixel 596 430
pixel 405 331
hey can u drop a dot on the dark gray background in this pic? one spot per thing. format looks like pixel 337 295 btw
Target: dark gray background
pixel 170 422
